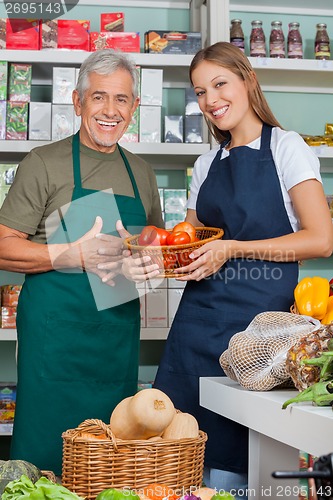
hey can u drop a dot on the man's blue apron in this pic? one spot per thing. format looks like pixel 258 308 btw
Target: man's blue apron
pixel 242 195
pixel 74 361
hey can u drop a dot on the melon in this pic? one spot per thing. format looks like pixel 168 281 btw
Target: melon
pixel 13 469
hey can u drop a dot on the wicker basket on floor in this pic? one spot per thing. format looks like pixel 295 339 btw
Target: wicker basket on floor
pixel 91 465
pixel 171 257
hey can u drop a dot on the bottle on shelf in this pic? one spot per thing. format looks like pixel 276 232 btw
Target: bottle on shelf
pixel 257 40
pixel 237 34
pixel 294 42
pixel 322 42
pixel 277 40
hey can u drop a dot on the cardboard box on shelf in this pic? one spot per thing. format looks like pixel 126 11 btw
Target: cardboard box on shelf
pixel 62 121
pixel 193 129
pixel 8 317
pixel 150 124
pixel 17 120
pixel 151 87
pixel 132 132
pixel 174 201
pixel 3 113
pixel 172 42
pixel 173 128
pixel 10 295
pixel 112 21
pixel 191 102
pixel 7 402
pixel 20 34
pixel 48 34
pixel 174 297
pixel 156 308
pixel 7 173
pixel 40 121
pixel 3 80
pixel 64 79
pixel 74 34
pixel 123 41
pixel 19 86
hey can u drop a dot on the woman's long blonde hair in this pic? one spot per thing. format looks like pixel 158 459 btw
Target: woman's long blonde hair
pixel 231 57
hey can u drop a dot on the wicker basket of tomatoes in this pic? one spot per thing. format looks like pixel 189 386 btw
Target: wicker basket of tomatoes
pixel 170 248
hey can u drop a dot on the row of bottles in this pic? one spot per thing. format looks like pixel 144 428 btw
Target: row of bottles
pixel 277 46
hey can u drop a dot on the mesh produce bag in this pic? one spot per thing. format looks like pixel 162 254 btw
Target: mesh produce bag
pixel 256 357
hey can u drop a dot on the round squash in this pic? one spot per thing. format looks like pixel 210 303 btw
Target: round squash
pixel 13 469
pixel 144 415
pixel 183 425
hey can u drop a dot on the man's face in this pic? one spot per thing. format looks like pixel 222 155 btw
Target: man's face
pixel 106 110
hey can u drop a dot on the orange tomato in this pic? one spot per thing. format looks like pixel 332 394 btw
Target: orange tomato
pixel 160 491
pixel 187 227
pixel 178 238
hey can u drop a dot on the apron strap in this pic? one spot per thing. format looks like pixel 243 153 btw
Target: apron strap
pixel 76 161
pixel 265 142
pixel 130 173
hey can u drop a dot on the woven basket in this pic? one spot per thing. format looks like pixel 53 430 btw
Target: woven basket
pixel 171 257
pixel 92 465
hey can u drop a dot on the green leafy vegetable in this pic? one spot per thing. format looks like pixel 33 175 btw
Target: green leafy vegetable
pixel 43 489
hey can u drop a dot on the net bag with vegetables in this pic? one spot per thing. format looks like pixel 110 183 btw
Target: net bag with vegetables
pixel 256 357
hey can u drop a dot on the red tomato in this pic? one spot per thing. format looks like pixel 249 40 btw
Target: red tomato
pixel 169 261
pixel 152 235
pixel 178 238
pixel 162 235
pixel 187 227
pixel 183 258
pixel 331 287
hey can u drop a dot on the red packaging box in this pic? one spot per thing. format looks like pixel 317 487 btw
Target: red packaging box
pixel 8 317
pixel 73 34
pixel 113 21
pixel 10 295
pixel 22 34
pixel 125 42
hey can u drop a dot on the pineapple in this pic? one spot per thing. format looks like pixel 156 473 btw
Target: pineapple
pixel 308 347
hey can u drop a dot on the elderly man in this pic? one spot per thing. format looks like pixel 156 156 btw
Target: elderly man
pixel 78 320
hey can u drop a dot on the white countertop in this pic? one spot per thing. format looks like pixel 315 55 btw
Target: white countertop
pixel 301 426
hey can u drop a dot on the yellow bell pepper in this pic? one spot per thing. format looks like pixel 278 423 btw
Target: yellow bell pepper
pixel 328 318
pixel 311 296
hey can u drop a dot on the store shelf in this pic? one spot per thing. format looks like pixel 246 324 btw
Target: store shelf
pixel 10 334
pixel 307 7
pixel 294 75
pixel 44 60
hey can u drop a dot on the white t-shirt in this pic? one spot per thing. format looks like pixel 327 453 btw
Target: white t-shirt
pixel 294 160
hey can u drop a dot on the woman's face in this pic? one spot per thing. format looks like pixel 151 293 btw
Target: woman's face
pixel 222 96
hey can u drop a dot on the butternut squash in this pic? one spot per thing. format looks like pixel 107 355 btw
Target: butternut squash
pixel 144 415
pixel 183 425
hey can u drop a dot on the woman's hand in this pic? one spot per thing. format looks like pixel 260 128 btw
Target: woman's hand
pixel 207 260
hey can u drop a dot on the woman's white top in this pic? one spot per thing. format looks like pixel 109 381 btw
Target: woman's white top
pixel 295 162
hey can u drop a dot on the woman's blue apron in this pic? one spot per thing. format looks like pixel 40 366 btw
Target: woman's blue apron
pixel 76 358
pixel 242 195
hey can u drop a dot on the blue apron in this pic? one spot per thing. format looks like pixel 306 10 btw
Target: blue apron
pixel 74 361
pixel 242 195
